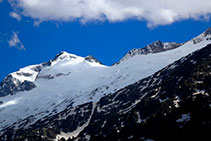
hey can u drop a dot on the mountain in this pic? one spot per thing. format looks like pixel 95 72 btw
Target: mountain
pixel 23 80
pixel 79 97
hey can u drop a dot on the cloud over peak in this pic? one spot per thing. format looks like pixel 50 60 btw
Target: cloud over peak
pixel 155 12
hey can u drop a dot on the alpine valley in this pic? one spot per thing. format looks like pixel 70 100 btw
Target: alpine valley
pixel 159 92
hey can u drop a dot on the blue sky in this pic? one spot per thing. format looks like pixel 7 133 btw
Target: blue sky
pixel 106 40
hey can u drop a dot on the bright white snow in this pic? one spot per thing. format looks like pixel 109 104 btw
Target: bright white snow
pixel 176 102
pixel 9 103
pixel 31 74
pixel 184 118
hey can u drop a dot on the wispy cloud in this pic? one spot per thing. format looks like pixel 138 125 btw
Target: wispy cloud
pixel 15 15
pixel 155 12
pixel 15 41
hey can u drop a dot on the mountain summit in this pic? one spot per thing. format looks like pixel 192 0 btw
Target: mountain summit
pixel 24 79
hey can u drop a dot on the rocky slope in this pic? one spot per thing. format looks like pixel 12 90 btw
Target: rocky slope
pixel 155 47
pixel 172 104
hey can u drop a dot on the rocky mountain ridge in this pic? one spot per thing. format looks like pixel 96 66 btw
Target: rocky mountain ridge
pixel 155 47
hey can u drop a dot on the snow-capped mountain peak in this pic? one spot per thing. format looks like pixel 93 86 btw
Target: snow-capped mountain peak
pixel 65 63
pixel 205 36
pixel 65 57
pixel 20 80
pixel 62 64
pixel 30 73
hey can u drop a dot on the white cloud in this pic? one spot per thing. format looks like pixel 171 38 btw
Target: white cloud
pixel 15 15
pixel 15 41
pixel 155 12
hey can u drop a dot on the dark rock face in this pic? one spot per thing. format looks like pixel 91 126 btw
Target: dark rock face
pixel 155 47
pixel 92 59
pixel 172 104
pixel 207 32
pixel 10 86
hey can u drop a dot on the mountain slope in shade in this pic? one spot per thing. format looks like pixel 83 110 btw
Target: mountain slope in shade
pixel 69 86
pixel 172 104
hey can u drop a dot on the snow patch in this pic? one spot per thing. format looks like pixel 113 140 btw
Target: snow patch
pixel 199 92
pixel 78 130
pixel 139 118
pixel 9 103
pixel 184 118
pixel 176 102
pixel 27 73
pixel 163 100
